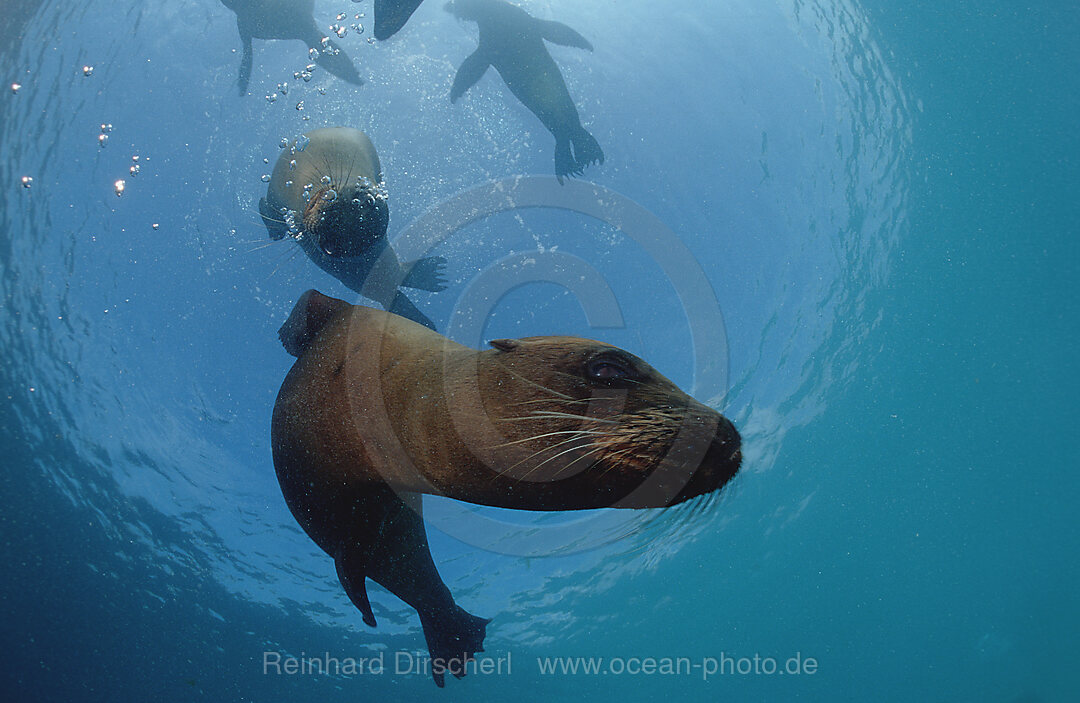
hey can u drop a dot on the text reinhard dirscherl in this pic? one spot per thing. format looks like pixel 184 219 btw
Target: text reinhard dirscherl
pixel 404 663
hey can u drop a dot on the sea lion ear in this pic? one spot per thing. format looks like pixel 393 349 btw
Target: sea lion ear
pixel 310 314
pixel 504 344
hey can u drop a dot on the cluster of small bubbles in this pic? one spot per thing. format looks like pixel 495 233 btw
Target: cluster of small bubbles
pixel 102 139
pixel 313 53
pixel 302 141
pixel 15 87
pixel 307 192
pixel 88 70
pixel 325 180
pixel 27 181
pixel 371 40
pixel 265 178
pixel 283 88
pixel 155 226
pixel 300 106
pixel 134 170
pixel 322 91
pixel 284 143
pixel 292 164
pixel 288 184
pixel 271 97
pixel 358 28
pixel 341 16
pixel 106 127
pixel 339 30
pixel 118 187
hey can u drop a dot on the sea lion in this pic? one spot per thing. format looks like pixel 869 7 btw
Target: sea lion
pixel 377 409
pixel 391 15
pixel 327 192
pixel 286 19
pixel 512 41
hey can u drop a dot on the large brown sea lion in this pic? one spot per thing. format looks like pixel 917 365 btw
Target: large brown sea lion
pixel 286 19
pixel 378 409
pixel 513 42
pixel 327 192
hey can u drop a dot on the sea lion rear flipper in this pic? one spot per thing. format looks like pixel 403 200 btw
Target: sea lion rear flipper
pixel 310 314
pixel 246 60
pixel 425 274
pixel 274 226
pixel 559 33
pixel 472 69
pixel 453 638
pixel 352 574
pixel 404 307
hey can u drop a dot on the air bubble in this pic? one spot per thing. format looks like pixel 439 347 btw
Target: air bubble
pixel 329 195
pixel 300 106
pixel 134 170
pixel 88 70
pixel 27 181
pixel 103 139
pixel 265 178
pixel 313 53
pixel 106 127
pixel 118 187
pixel 271 97
pixel 15 87
pixel 288 184
pixel 292 164
pixel 284 143
pixel 283 88
pixel 155 226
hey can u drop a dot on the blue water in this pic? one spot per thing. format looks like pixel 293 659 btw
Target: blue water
pixel 881 201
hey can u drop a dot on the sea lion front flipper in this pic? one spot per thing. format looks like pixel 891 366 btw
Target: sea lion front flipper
pixel 472 69
pixel 425 274
pixel 404 307
pixel 275 227
pixel 246 60
pixel 559 33
pixel 352 573
pixel 391 15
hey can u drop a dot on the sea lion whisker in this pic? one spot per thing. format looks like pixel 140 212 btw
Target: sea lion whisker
pixel 285 261
pixel 577 433
pixel 556 456
pixel 534 383
pixel 589 453
pixel 541 450
pixel 570 416
pixel 549 400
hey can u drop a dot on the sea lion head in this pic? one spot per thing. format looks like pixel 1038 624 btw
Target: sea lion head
pixel 345 219
pixel 581 411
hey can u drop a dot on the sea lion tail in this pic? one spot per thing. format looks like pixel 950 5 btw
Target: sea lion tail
pixel 586 149
pixel 453 638
pixel 310 314
pixel 425 274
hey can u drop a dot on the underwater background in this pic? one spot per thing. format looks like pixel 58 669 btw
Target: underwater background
pixel 881 197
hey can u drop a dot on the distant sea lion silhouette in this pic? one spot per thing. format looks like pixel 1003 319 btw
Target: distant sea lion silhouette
pixel 286 19
pixel 391 15
pixel 377 409
pixel 513 42
pixel 327 192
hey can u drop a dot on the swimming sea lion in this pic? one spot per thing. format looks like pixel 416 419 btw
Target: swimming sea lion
pixel 286 19
pixel 513 42
pixel 327 192
pixel 391 15
pixel 377 409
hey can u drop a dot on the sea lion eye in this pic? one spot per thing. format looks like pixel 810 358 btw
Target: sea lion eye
pixel 606 368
